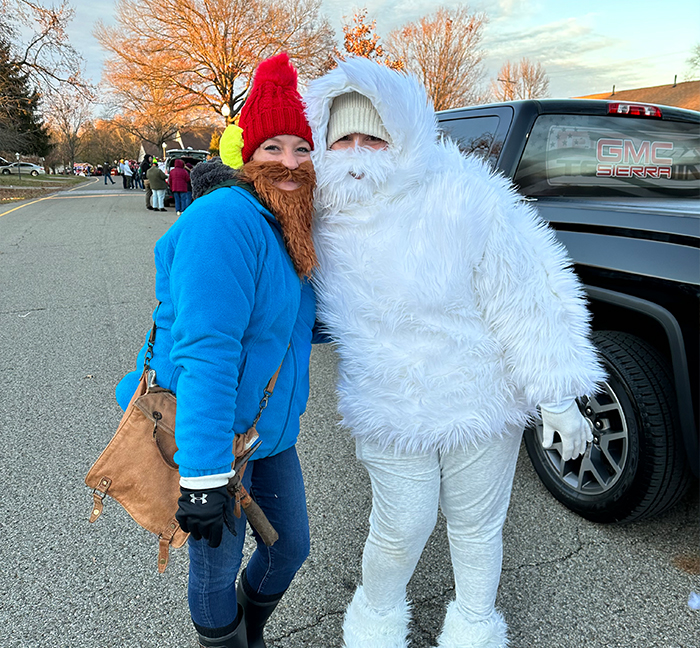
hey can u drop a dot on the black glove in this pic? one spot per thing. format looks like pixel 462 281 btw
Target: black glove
pixel 203 513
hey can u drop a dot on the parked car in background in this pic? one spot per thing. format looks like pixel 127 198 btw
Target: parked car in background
pixel 619 182
pixel 188 156
pixel 24 167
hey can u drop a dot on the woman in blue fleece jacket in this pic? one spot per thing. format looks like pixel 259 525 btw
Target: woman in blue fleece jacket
pixel 235 302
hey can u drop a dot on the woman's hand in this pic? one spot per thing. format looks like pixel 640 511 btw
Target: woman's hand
pixel 203 513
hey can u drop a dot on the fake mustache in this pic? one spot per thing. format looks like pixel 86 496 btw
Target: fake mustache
pixel 276 172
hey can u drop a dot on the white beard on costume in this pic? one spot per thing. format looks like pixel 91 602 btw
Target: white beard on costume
pixel 353 176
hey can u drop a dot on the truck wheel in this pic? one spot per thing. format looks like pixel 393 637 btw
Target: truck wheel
pixel 636 466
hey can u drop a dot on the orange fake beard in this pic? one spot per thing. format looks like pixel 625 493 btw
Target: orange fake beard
pixel 293 209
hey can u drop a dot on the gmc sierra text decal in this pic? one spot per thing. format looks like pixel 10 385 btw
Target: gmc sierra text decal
pixel 622 159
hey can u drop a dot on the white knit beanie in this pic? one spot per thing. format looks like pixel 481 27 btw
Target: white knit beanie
pixel 354 113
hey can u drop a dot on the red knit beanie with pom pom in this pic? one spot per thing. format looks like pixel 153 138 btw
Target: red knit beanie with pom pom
pixel 273 107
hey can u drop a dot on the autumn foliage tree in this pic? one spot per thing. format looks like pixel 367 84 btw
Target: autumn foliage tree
pixel 521 80
pixel 444 51
pixel 214 143
pixel 103 141
pixel 361 39
pixel 150 108
pixel 204 52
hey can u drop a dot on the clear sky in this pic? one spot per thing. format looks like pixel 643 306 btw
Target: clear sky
pixel 585 46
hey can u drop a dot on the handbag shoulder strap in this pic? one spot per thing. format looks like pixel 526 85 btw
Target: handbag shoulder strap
pixel 267 392
pixel 151 374
pixel 149 351
pixel 273 381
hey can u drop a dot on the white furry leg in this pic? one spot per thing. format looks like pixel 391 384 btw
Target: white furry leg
pixel 458 632
pixel 365 627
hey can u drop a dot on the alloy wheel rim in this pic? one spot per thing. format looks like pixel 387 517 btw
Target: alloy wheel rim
pixel 601 466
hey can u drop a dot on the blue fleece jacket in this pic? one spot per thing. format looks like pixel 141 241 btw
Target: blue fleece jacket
pixel 231 303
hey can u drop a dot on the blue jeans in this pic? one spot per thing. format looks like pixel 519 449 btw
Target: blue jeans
pixel 183 199
pixel 277 486
pixel 179 201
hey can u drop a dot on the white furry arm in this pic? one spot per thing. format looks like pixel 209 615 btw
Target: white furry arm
pixel 536 307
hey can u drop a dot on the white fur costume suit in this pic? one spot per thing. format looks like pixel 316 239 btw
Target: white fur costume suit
pixel 455 313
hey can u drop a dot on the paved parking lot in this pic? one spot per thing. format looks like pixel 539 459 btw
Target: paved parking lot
pixel 76 273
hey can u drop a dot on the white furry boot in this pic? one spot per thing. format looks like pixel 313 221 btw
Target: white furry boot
pixel 364 627
pixel 460 633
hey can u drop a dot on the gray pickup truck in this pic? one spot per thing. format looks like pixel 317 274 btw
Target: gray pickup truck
pixel 620 184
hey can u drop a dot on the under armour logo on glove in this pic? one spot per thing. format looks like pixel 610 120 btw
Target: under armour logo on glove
pixel 204 513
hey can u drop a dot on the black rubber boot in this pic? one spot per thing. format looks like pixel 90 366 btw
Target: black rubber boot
pixel 256 613
pixel 235 639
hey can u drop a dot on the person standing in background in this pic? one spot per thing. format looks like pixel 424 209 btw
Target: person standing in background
pixel 145 166
pixel 159 184
pixel 107 172
pixel 178 180
pixel 136 171
pixel 188 193
pixel 126 173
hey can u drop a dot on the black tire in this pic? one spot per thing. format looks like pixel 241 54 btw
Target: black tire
pixel 35 173
pixel 6 172
pixel 636 466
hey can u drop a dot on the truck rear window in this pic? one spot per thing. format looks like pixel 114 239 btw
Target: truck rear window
pixel 581 155
pixel 475 135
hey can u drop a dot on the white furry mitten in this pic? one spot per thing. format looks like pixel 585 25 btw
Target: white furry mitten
pixel 574 429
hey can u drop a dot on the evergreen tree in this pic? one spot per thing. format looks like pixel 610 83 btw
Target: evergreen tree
pixel 21 127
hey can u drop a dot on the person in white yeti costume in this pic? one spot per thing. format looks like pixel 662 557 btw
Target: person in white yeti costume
pixel 456 314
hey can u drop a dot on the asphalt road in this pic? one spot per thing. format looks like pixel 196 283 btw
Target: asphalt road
pixel 76 295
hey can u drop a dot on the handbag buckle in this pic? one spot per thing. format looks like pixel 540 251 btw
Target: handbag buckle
pixel 98 497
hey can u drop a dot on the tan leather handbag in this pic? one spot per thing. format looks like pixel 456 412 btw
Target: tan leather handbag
pixel 138 470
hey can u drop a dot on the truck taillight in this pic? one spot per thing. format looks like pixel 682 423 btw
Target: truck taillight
pixel 634 110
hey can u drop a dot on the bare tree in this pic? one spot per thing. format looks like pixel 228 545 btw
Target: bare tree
pixel 693 63
pixel 204 51
pixel 68 112
pixel 521 80
pixel 444 51
pixel 40 44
